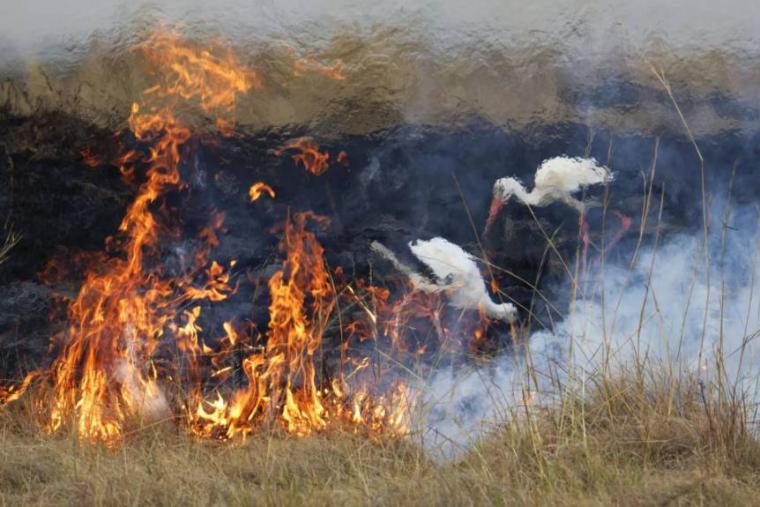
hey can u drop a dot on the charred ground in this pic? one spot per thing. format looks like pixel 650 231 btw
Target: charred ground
pixel 62 192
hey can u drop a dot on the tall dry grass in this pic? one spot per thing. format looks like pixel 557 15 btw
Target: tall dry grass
pixel 9 240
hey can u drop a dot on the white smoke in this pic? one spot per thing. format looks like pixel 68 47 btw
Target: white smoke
pixel 664 308
pixel 144 396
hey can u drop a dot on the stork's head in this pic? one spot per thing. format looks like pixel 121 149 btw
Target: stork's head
pixel 502 191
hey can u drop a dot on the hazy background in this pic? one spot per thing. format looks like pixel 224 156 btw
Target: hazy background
pixel 512 63
pixel 35 26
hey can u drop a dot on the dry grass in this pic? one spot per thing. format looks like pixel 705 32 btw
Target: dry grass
pixel 9 240
pixel 629 445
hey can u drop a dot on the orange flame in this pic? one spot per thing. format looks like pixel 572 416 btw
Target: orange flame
pixel 258 189
pixel 104 376
pixel 308 154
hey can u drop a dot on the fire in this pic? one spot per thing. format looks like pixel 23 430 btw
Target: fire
pixel 132 312
pixel 283 384
pixel 307 154
pixel 105 375
pixel 13 393
pixel 258 189
pixel 294 334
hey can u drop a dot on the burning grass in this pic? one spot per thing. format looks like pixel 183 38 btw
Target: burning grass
pixel 621 444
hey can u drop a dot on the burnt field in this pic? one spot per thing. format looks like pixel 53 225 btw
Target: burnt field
pixel 396 185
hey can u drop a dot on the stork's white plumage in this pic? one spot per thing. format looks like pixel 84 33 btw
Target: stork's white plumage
pixel 557 179
pixel 456 273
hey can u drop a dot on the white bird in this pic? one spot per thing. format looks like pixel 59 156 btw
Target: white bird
pixel 557 179
pixel 457 275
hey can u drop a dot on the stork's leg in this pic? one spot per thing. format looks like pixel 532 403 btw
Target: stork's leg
pixel 583 229
pixel 586 241
pixel 625 224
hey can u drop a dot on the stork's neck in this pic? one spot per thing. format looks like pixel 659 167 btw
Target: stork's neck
pixel 532 198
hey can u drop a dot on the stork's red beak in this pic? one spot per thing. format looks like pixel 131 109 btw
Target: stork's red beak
pixel 497 203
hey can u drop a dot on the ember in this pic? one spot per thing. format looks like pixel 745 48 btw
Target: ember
pixel 258 189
